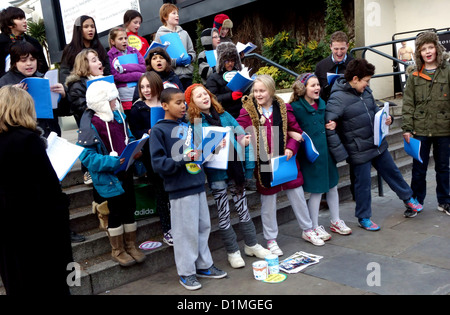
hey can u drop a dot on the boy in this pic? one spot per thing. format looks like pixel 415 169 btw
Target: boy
pixel 184 69
pixel 191 224
pixel 426 116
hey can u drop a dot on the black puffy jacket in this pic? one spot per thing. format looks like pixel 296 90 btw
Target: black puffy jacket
pixel 353 138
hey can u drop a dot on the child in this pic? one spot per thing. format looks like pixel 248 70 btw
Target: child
pixel 270 119
pixel 352 107
pixel 203 106
pixel 13 26
pixel 125 75
pixel 426 110
pixel 132 21
pixel 24 64
pixel 84 36
pixel 168 14
pixel 150 87
pixel 223 23
pixel 191 224
pixel 104 135
pixel 321 176
pixel 227 60
pixel 210 39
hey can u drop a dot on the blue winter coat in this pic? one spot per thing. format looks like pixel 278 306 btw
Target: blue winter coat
pixel 96 157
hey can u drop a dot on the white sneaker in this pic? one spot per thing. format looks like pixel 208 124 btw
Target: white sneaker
pixel 320 231
pixel 273 248
pixel 236 260
pixel 312 237
pixel 256 250
pixel 340 227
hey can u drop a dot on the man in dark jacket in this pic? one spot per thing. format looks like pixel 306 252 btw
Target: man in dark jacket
pixel 352 106
pixel 336 63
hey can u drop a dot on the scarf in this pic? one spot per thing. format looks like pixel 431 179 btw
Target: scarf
pixel 15 38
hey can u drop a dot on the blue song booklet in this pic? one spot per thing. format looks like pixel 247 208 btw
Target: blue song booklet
pixel 283 171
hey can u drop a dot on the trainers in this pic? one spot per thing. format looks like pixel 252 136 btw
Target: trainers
pixel 320 231
pixel 256 250
pixel 274 248
pixel 340 227
pixel 410 213
pixel 413 204
pixel 444 208
pixel 87 178
pixel 368 224
pixel 167 238
pixel 235 260
pixel 312 237
pixel 211 272
pixel 190 282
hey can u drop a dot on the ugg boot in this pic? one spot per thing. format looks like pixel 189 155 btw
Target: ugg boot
pixel 118 252
pixel 252 248
pixel 130 242
pixel 102 212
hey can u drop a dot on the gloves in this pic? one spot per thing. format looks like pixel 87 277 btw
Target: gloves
pixel 183 60
pixel 236 95
pixel 117 66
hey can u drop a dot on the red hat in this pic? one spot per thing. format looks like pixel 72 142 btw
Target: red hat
pixel 188 92
pixel 222 20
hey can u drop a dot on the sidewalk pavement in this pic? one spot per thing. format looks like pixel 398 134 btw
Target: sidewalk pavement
pixel 407 256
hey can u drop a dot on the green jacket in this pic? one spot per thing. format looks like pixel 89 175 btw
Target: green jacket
pixel 426 103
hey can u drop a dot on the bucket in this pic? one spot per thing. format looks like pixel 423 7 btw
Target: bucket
pixel 260 269
pixel 272 263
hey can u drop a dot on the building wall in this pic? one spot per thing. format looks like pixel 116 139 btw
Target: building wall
pixel 376 21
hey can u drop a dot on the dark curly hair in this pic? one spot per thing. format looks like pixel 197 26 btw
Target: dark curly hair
pixel 360 68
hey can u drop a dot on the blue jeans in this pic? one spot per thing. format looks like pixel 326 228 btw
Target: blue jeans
pixel 387 169
pixel 441 155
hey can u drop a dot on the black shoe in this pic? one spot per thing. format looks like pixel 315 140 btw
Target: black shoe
pixel 444 208
pixel 76 238
pixel 410 213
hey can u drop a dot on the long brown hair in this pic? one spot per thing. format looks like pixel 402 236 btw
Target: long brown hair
pixel 195 112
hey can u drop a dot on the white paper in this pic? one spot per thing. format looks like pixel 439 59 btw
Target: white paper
pixel 52 76
pixel 219 160
pixel 380 129
pixel 62 154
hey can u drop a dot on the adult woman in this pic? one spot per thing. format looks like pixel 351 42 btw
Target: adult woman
pixel 30 192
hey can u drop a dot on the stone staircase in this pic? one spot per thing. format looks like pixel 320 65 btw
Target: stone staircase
pixel 100 273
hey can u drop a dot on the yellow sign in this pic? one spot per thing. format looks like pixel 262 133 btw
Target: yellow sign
pixel 134 41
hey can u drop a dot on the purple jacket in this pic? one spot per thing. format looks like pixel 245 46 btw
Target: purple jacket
pixel 131 72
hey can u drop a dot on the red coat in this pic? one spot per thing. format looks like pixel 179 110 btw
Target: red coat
pixel 245 120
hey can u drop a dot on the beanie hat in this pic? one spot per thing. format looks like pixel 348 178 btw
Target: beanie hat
pixel 227 51
pixel 188 92
pixel 98 96
pixel 206 37
pixel 222 20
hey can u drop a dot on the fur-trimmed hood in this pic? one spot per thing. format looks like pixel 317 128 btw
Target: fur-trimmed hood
pixel 227 51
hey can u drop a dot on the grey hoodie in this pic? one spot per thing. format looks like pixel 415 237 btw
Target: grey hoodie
pixel 181 72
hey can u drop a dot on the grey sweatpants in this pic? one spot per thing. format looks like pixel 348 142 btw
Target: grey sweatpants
pixel 191 226
pixel 297 199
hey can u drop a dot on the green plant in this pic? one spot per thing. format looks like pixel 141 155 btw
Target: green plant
pixel 37 31
pixel 334 18
pixel 199 29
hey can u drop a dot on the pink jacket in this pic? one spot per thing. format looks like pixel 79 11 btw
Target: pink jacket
pixel 132 72
pixel 245 121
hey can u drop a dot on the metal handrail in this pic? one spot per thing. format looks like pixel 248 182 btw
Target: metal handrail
pixel 258 56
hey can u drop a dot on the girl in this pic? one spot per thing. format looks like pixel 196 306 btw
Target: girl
pixel 132 21
pixel 266 113
pixel 210 39
pixel 24 64
pixel 203 105
pixel 125 75
pixel 84 36
pixel 322 175
pixel 150 87
pixel 104 134
pixel 28 181
pixel 168 14
pixel 13 26
pixel 227 60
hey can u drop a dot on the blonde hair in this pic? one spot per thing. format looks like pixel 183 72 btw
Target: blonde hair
pixel 165 10
pixel 16 109
pixel 268 82
pixel 195 112
pixel 113 34
pixel 81 64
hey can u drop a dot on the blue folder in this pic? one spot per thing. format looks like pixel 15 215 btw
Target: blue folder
pixel 240 83
pixel 176 48
pixel 310 150
pixel 39 89
pixel 156 114
pixel 211 58
pixel 283 171
pixel 209 144
pixel 413 148
pixel 108 78
pixel 129 59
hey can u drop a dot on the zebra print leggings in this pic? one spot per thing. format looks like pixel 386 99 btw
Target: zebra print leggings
pixel 223 206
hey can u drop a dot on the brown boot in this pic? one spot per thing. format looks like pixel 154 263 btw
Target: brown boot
pixel 130 242
pixel 102 212
pixel 118 252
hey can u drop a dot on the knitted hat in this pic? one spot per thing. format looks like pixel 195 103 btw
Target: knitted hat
pixel 188 92
pixel 222 20
pixel 425 38
pixel 227 51
pixel 206 37
pixel 98 96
